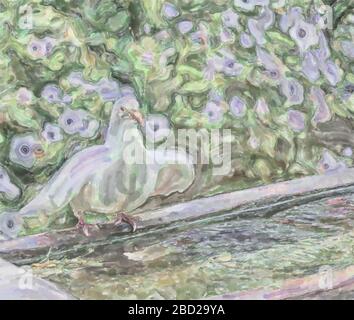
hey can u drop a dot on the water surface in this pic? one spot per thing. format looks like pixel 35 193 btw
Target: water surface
pixel 211 259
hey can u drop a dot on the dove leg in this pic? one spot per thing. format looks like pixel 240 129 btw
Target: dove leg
pixel 82 225
pixel 124 218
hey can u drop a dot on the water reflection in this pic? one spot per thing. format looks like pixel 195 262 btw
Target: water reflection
pixel 212 259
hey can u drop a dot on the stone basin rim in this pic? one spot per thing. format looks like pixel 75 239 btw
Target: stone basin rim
pixel 259 201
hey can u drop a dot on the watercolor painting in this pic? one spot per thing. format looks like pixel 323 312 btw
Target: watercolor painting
pixel 176 149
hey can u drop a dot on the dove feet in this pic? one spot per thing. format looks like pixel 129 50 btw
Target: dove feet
pixel 87 228
pixel 84 227
pixel 124 218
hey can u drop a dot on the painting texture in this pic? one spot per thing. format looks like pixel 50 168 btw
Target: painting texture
pixel 205 97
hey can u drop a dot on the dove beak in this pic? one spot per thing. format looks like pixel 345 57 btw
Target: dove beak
pixel 135 115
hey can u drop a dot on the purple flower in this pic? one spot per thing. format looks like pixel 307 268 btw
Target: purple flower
pixel 257 27
pixel 147 28
pixel 76 79
pixel 224 62
pixel 209 71
pixel 78 121
pixel 108 90
pixel 331 71
pixel 37 49
pixel 162 35
pixel 237 107
pixel 24 150
pixel 90 128
pixel 317 60
pixel 269 63
pixel 52 133
pixel 310 67
pixel 322 113
pixel 293 91
pixel 215 96
pixel 185 26
pixel 296 120
pixel 256 30
pixel 348 91
pixel 230 19
pixel 323 53
pixel 148 58
pixel 24 96
pixel 266 18
pixel 246 40
pixel 49 44
pixel 157 127
pixel 261 107
pixel 40 48
pixel 226 35
pixel 198 37
pixel 72 121
pixel 213 112
pixel 253 142
pixel 304 34
pixel 249 5
pixel 317 20
pixel 347 152
pixel 231 68
pixel 287 20
pixel 328 164
pixel 52 93
pixel 170 11
pixel 348 49
pixel 328 68
pixel 66 99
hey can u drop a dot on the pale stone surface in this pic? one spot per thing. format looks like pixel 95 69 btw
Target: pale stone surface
pixel 20 284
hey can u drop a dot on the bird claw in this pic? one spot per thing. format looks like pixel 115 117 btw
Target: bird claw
pixel 124 218
pixel 84 227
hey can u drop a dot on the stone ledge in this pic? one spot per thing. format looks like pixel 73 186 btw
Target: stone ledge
pixel 20 284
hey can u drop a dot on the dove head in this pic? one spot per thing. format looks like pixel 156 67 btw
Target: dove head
pixel 124 107
pixel 7 188
pixel 10 225
pixel 125 114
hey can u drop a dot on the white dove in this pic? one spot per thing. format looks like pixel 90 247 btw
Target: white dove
pixel 104 179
